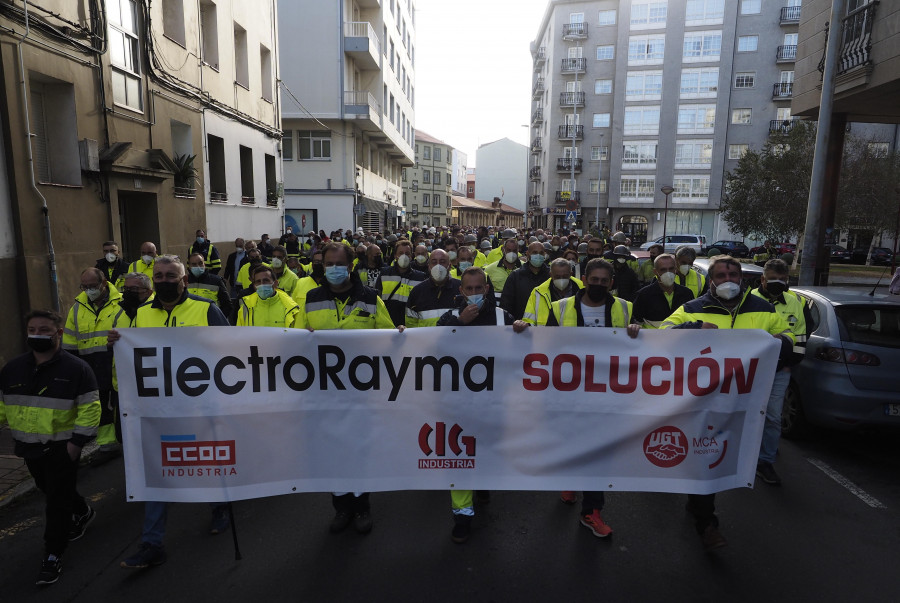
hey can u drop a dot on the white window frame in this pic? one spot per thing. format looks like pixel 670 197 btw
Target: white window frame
pixel 710 49
pixel 603 86
pixel 644 125
pixel 126 68
pixel 744 80
pixel 748 43
pixel 690 188
pixel 642 191
pixel 635 93
pixel 739 113
pixel 751 7
pixel 607 13
pixel 654 17
pixel 736 151
pixel 600 153
pixel 697 126
pixel 606 49
pixel 707 82
pixel 693 154
pixel 646 49
pixel 711 12
pixel 601 125
pixel 639 154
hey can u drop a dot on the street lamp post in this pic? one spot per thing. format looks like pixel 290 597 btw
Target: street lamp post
pixel 599 179
pixel 666 190
pixel 527 174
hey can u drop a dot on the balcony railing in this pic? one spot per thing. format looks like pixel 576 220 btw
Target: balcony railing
pixel 786 53
pixel 218 197
pixel 539 58
pixel 856 37
pixel 559 197
pixel 564 164
pixel 363 29
pixel 534 200
pixel 248 200
pixel 537 117
pixel 569 99
pixel 573 65
pixel 566 132
pixel 783 89
pixel 790 14
pixel 535 172
pixel 574 31
pixel 780 126
pixel 536 145
pixel 538 88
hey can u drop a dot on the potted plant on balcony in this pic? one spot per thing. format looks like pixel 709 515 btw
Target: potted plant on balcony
pixel 185 176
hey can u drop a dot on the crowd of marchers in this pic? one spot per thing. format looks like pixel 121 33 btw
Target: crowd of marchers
pixel 349 279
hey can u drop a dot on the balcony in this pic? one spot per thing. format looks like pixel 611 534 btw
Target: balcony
pixel 536 146
pixel 564 196
pixel 566 132
pixel 783 90
pixel 540 57
pixel 786 54
pixel 856 38
pixel 564 164
pixel 361 43
pixel 790 15
pixel 781 126
pixel 537 117
pixel 538 88
pixel 362 106
pixel 535 173
pixel 575 31
pixel 534 201
pixel 573 65
pixel 571 99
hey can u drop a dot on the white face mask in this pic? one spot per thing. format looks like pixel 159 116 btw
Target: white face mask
pixel 451 255
pixel 277 262
pixel 684 269
pixel 561 283
pixel 421 259
pixel 93 294
pixel 667 279
pixel 727 290
pixel 511 257
pixel 148 259
pixel 403 261
pixel 620 260
pixel 439 273
pixel 110 257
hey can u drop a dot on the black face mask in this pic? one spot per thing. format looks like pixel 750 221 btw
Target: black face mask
pixel 376 262
pixel 776 289
pixel 596 293
pixel 167 292
pixel 130 299
pixel 318 270
pixel 255 263
pixel 652 257
pixel 591 256
pixel 40 344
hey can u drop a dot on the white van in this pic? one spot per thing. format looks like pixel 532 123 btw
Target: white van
pixel 673 242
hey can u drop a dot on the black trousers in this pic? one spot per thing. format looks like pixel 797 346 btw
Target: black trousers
pixel 55 476
pixel 591 501
pixel 350 503
pixel 703 508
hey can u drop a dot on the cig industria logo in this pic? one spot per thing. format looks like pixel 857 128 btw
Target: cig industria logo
pixel 443 439
pixel 185 456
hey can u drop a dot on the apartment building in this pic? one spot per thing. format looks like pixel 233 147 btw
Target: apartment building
pixel 502 165
pixel 348 97
pixel 428 185
pixel 132 121
pixel 458 172
pixel 635 96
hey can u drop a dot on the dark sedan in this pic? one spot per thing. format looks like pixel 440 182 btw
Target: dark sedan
pixel 880 255
pixel 838 253
pixel 733 248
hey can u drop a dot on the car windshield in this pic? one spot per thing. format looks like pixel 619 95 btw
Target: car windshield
pixel 871 325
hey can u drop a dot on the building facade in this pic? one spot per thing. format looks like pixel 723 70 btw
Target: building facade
pixel 428 185
pixel 458 172
pixel 502 168
pixel 475 213
pixel 348 96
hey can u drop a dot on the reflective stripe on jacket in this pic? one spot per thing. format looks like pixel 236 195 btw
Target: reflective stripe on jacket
pixel 790 306
pixel 566 312
pixel 752 313
pixel 693 281
pixel 363 309
pixel 428 302
pixel 280 310
pixel 538 307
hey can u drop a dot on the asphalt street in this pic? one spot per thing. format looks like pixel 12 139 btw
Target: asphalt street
pixel 830 533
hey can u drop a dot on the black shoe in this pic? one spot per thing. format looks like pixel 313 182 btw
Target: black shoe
pixel 712 539
pixel 221 520
pixel 340 522
pixel 146 556
pixel 462 528
pixel 362 522
pixel 766 472
pixel 50 570
pixel 104 456
pixel 80 523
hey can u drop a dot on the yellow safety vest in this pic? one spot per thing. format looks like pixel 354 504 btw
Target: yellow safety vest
pixel 751 313
pixel 567 315
pixel 243 275
pixel 280 310
pixel 693 281
pixel 86 329
pixel 363 310
pixel 792 312
pixel 537 310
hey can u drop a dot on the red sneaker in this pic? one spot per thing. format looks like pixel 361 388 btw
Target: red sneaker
pixel 595 524
pixel 568 497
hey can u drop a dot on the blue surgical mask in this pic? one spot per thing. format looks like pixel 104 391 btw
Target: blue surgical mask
pixel 537 260
pixel 200 240
pixel 477 299
pixel 337 275
pixel 463 266
pixel 265 291
pixel 197 270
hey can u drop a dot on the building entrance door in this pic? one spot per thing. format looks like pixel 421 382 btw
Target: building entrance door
pixel 139 222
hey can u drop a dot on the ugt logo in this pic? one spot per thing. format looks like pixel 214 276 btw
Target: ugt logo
pixel 442 438
pixel 666 447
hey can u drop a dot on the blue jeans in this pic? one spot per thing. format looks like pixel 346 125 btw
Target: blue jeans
pixel 768 447
pixel 155 516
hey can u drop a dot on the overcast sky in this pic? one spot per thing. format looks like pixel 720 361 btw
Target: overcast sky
pixel 474 70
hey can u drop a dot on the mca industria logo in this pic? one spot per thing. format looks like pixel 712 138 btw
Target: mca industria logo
pixel 443 439
pixel 185 456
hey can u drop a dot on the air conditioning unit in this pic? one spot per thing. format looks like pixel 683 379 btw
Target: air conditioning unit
pixel 89 154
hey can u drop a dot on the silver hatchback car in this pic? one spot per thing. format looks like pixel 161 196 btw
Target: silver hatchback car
pixel 850 376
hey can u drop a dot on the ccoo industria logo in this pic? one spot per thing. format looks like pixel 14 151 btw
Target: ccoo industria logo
pixel 185 456
pixel 454 440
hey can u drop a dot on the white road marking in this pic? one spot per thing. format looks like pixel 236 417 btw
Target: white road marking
pixel 853 488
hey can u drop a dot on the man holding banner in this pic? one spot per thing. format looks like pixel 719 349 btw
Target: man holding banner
pixel 726 305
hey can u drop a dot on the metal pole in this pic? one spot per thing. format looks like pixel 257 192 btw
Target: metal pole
pixel 813 232
pixel 574 121
pixel 665 220
pixel 599 178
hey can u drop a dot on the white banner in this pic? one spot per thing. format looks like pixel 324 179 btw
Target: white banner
pixel 227 413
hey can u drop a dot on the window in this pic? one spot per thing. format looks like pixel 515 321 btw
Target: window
pixel 744 79
pixel 209 33
pixel 603 87
pixel 437 178
pixel 637 189
pixel 641 120
pixel 403 174
pixel 426 152
pixel 576 17
pixel 648 15
pixel 693 154
pixel 736 151
pixel 173 21
pixel 879 149
pixel 426 177
pixel 601 120
pixel 700 83
pixel 450 199
pixel 218 191
pixel 704 12
pixel 702 46
pixel 643 85
pixel 287 145
pixel 271 182
pixel 606 53
pixel 54 131
pixel 391 109
pixel 741 116
pixel 426 199
pixel 607 17
pixel 646 50
pixel 598 186
pixel 437 157
pixel 265 72
pixel 748 43
pixel 314 144
pixel 690 189
pixel 696 119
pixel 124 54
pixel 783 113
pixel 599 153
pixel 750 7
pixel 640 154
pixel 241 62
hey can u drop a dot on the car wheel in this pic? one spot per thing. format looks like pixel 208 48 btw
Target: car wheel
pixel 793 422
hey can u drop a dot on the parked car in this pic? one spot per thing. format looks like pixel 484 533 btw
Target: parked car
pixel 839 253
pixel 781 248
pixel 673 242
pixel 848 378
pixel 880 255
pixel 732 248
pixel 750 273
